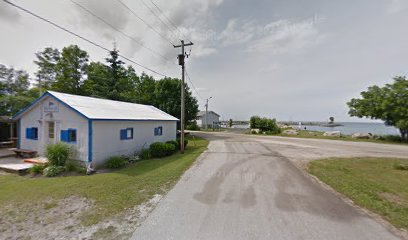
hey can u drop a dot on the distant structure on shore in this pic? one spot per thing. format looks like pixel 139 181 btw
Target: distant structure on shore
pixel 320 124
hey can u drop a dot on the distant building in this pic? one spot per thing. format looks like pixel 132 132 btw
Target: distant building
pixel 212 119
pixel 95 128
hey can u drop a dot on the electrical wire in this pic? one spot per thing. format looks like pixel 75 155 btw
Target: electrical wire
pixel 192 85
pixel 79 36
pixel 146 23
pixel 158 17
pixel 118 30
pixel 168 19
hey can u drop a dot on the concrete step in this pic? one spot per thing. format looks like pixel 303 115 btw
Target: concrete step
pixel 19 168
pixel 7 152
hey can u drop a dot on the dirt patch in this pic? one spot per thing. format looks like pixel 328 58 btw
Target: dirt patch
pixel 392 198
pixel 61 220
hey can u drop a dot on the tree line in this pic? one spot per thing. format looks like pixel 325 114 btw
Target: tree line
pixel 70 71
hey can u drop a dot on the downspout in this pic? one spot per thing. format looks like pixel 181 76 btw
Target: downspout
pixel 89 166
pixel 89 141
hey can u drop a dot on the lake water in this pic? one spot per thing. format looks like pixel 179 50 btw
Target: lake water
pixel 349 128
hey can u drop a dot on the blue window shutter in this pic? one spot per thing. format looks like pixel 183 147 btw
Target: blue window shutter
pixel 28 130
pixel 122 134
pixel 64 135
pixel 155 131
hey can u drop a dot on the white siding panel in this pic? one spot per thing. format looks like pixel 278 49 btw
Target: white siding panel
pixel 107 142
pixel 212 118
pixel 64 118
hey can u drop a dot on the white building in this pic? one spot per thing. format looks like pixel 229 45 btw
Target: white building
pixel 211 119
pixel 95 128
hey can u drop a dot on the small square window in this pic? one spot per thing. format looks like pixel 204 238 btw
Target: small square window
pixel 69 136
pixel 72 135
pixel 126 134
pixel 32 133
pixel 158 131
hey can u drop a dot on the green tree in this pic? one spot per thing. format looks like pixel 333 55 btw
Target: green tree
pixel 167 98
pixel 96 84
pixel 230 122
pixel 264 124
pixel 118 82
pixel 145 87
pixel 71 70
pixel 47 61
pixel 14 93
pixel 388 103
pixel 254 121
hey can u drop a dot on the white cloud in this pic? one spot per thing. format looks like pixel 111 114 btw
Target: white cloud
pixel 395 6
pixel 8 13
pixel 238 32
pixel 284 36
pixel 201 51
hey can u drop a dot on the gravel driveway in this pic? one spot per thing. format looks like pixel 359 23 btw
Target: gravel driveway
pixel 248 187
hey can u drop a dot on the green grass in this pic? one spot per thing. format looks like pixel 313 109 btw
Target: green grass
pixel 112 193
pixel 319 135
pixel 373 183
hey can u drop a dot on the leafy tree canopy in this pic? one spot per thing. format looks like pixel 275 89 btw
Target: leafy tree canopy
pixel 70 71
pixel 14 90
pixel 264 124
pixel 388 103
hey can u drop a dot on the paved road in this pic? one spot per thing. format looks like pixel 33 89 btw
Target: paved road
pixel 247 187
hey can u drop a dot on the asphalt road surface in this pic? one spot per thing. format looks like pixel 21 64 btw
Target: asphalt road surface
pixel 248 187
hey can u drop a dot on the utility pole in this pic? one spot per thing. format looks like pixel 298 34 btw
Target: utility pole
pixel 206 113
pixel 181 58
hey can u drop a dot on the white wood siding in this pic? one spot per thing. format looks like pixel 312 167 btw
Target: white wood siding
pixel 64 118
pixel 212 118
pixel 107 142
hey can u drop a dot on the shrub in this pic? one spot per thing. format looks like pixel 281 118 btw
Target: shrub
pixel 185 143
pixel 72 166
pixel 158 149
pixel 175 143
pixel 58 154
pixel 116 162
pixel 193 126
pixel 53 171
pixel 254 122
pixel 265 125
pixel 401 166
pixel 391 138
pixel 170 148
pixel 81 170
pixel 145 154
pixel 37 169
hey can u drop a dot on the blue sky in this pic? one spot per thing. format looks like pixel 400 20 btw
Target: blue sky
pixel 292 60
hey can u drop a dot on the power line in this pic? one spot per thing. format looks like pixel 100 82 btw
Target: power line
pixel 158 17
pixel 193 87
pixel 168 19
pixel 118 30
pixel 146 23
pixel 79 36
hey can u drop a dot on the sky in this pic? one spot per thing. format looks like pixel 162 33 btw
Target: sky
pixel 286 59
